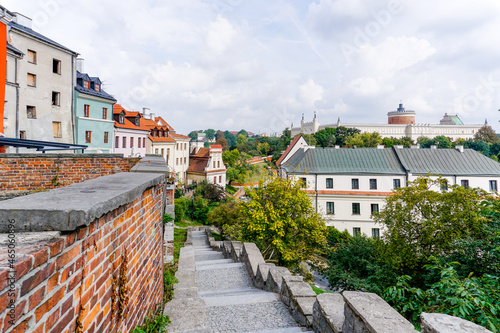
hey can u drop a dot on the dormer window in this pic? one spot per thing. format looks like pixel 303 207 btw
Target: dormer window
pixel 97 87
pixel 136 119
pixel 121 119
pixel 86 84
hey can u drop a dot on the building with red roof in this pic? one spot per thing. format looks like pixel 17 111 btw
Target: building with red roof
pixel 206 164
pixel 130 135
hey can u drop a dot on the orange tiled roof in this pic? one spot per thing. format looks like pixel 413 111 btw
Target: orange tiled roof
pixel 216 146
pixel 117 109
pixel 180 136
pixel 161 139
pixel 198 165
pixel 203 152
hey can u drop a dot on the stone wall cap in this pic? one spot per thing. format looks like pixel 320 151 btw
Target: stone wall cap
pixel 62 155
pixel 443 323
pixel 377 314
pixel 77 205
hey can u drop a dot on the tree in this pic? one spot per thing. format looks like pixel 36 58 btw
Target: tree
pixel 243 132
pixel 442 141
pixel 421 221
pixel 231 139
pixel 486 134
pixel 227 218
pixel 479 146
pixel 209 191
pixel 219 135
pixel 286 137
pixel 310 138
pixel 193 135
pixel 425 142
pixel 326 137
pixel 241 139
pixel 210 133
pixel 231 158
pixel 280 219
pixel 366 140
pixel 263 148
pixel 223 142
pixel 342 133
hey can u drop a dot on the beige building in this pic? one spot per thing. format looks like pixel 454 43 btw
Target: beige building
pixel 46 78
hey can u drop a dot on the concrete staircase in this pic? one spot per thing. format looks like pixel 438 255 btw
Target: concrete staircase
pixel 231 302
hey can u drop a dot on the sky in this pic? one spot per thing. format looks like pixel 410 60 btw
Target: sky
pixel 259 64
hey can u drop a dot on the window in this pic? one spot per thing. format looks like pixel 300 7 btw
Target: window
pixel 131 142
pixel 220 179
pixel 22 135
pixel 373 184
pixel 215 180
pixel 56 96
pixel 330 208
pixel 355 184
pixel 106 137
pixel 218 164
pixel 156 151
pixel 56 128
pixel 185 146
pixel 303 182
pixel 329 183
pixel 177 161
pixel 138 142
pixel 137 121
pixel 124 142
pixel 465 183
pixel 375 233
pixel 32 56
pixel 31 112
pixel 31 80
pixel 177 146
pixel 355 208
pixel 144 142
pixel 396 183
pixel 86 110
pixel 185 160
pixel 97 87
pixel 356 232
pixel 493 185
pixel 88 137
pixel 104 113
pixel 117 142
pixel 56 66
pixel 86 84
pixel 214 164
pixel 374 208
pixel 162 151
pixel 444 185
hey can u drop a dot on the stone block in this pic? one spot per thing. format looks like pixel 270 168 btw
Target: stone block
pixel 368 312
pixel 227 249
pixel 252 258
pixel 186 314
pixel 275 278
pixel 191 292
pixel 443 323
pixel 293 287
pixel 261 276
pixel 216 245
pixel 236 248
pixel 328 313
pixel 63 209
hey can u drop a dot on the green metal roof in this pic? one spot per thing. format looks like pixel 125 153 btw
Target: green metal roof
pixel 344 161
pixel 447 162
pixel 395 161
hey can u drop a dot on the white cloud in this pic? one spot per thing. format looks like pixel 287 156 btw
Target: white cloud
pixel 220 35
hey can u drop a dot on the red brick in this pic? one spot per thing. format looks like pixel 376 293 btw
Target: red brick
pixel 36 298
pixel 52 320
pixel 49 304
pixel 82 233
pixel 18 311
pixel 74 281
pixel 67 256
pixel 37 278
pixel 52 282
pixel 68 304
pixel 70 239
pixel 22 327
pixel 63 322
pixel 41 256
pixel 22 266
pixel 56 247
pixel 4 276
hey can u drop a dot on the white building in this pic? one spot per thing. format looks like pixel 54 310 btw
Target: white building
pixel 46 78
pixel 401 123
pixel 130 135
pixel 207 164
pixel 347 184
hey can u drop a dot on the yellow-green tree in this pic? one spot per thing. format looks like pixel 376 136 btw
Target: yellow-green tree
pixel 280 219
pixel 366 140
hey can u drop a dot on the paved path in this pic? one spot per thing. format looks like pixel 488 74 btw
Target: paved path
pixel 233 305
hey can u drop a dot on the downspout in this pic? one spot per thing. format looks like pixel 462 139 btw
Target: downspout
pixel 316 190
pixel 73 99
pixel 16 78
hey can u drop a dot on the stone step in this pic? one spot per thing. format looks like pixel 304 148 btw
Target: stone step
pixel 213 262
pixel 239 299
pixel 220 266
pixel 231 292
pixel 283 330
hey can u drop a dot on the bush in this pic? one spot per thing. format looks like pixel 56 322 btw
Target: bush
pixel 181 207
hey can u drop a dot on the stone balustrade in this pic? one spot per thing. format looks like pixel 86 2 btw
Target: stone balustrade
pixel 349 312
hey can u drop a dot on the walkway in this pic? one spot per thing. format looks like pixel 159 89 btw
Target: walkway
pixel 232 303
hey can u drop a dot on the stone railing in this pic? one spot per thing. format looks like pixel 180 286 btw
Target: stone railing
pixel 349 312
pixel 83 258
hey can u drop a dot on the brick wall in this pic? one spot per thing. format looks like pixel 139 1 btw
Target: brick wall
pixel 28 172
pixel 71 283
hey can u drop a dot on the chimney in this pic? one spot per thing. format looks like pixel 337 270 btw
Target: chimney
pixel 415 147
pixel 145 112
pixel 25 21
pixel 399 146
pixel 460 148
pixel 380 146
pixel 434 147
pixel 152 116
pixel 79 65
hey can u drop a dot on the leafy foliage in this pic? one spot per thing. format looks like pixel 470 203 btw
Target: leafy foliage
pixel 486 134
pixel 366 140
pixel 279 218
pixel 471 298
pixel 156 323
pixel 421 222
pixel 181 207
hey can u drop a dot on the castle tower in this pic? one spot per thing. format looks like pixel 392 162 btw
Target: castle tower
pixel 401 116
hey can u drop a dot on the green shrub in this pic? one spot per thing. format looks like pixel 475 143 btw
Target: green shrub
pixel 181 207
pixel 157 323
